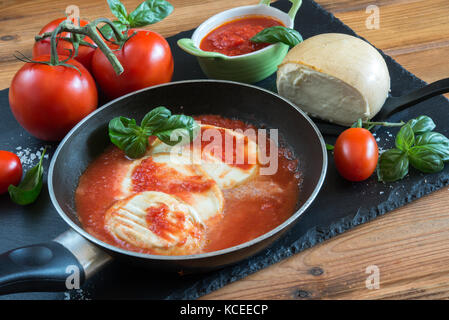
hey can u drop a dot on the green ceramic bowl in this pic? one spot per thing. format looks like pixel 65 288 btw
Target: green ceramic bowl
pixel 250 67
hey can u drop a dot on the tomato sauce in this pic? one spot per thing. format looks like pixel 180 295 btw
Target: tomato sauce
pixel 153 176
pixel 250 209
pixel 233 37
pixel 159 224
pixel 226 141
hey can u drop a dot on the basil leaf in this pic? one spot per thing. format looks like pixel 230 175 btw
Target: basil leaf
pixel 176 129
pixel 30 187
pixel 118 10
pixel 393 165
pixel 425 159
pixel 422 124
pixel 128 136
pixel 149 12
pixel 154 119
pixel 436 142
pixel 136 146
pixel 405 138
pixel 170 129
pixel 329 147
pixel 107 32
pixel 277 34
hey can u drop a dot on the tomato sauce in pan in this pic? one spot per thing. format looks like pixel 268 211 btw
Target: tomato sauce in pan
pixel 233 38
pixel 250 209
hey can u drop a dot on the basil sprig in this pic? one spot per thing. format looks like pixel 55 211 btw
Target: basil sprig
pixel 277 34
pixel 416 145
pixel 148 12
pixel 159 122
pixel 29 189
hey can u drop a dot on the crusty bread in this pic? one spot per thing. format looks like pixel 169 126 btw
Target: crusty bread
pixel 335 77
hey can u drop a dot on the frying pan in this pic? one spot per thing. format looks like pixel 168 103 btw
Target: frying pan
pixel 46 266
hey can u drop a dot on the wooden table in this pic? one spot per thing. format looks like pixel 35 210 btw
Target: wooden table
pixel 410 246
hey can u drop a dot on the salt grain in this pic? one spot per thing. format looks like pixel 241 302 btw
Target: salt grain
pixel 76 294
pixel 28 157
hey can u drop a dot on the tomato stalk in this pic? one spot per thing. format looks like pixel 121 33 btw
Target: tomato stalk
pixel 89 30
pixel 371 124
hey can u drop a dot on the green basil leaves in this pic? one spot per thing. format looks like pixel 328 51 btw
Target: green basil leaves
pixel 148 12
pixel 118 10
pixel 393 165
pixel 425 160
pixel 405 138
pixel 29 189
pixel 159 122
pixel 417 145
pixel 277 34
pixel 422 124
pixel 435 142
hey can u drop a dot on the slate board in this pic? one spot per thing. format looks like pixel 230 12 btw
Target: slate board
pixel 340 205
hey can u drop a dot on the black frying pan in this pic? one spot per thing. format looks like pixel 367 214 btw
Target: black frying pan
pixel 45 267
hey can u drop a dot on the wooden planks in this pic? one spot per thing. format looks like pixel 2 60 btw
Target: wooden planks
pixel 21 20
pixel 405 26
pixel 410 246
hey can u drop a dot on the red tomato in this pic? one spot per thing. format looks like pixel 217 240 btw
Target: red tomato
pixel 146 58
pixel 49 100
pixel 10 170
pixel 43 46
pixel 356 154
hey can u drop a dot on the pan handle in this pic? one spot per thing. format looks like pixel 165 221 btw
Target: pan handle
pixel 58 265
pixel 396 104
pixel 39 267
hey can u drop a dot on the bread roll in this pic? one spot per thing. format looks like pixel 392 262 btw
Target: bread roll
pixel 335 77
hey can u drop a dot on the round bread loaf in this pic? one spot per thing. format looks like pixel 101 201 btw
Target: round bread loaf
pixel 335 77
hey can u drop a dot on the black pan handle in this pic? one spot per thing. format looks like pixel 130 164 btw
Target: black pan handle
pixel 39 267
pixel 58 265
pixel 397 104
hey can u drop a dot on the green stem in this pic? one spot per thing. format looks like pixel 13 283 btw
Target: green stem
pixel 90 31
pixel 121 38
pixel 54 59
pixel 118 68
pixel 384 124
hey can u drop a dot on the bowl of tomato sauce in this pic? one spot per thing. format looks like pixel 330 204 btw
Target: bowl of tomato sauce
pixel 223 48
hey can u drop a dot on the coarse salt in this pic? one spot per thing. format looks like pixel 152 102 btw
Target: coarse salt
pixel 28 157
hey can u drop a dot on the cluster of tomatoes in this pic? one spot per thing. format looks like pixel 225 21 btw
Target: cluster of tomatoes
pixel 48 100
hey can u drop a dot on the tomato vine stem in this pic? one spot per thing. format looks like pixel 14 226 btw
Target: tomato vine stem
pixel 89 30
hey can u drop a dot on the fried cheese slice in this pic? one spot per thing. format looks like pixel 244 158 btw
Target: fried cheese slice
pixel 227 156
pixel 156 221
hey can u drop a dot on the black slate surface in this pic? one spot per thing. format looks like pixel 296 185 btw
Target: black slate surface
pixel 340 205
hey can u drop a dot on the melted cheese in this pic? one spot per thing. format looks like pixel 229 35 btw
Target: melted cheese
pixel 228 164
pixel 156 221
pixel 175 174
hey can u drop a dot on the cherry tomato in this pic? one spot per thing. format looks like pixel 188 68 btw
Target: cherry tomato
pixel 10 170
pixel 85 53
pixel 356 154
pixel 146 58
pixel 48 101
